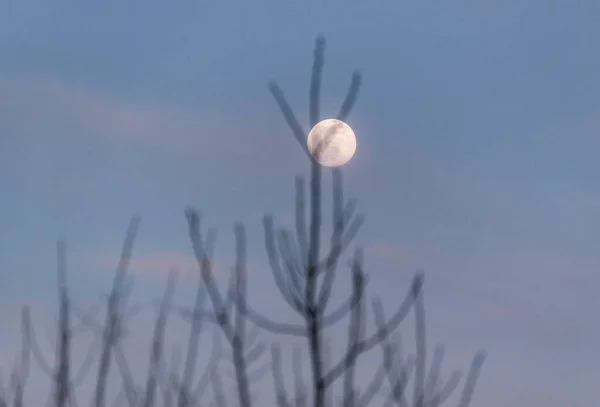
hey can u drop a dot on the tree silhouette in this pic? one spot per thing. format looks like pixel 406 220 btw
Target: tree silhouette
pixel 305 279
pixel 304 274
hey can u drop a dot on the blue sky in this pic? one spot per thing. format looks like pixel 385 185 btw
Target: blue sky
pixel 477 130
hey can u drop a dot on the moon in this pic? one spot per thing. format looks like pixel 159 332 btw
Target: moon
pixel 331 142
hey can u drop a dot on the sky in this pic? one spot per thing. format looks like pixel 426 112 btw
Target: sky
pixel 477 129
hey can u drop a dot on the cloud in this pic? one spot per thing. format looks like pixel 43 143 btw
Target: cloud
pixel 155 264
pixel 44 106
pixel 408 256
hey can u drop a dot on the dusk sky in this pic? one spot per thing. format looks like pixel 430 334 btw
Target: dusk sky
pixel 478 132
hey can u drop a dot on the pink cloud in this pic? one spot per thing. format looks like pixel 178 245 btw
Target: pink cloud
pixel 41 106
pixel 149 264
pixel 403 254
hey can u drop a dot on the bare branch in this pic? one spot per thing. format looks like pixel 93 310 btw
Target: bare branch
pixel 62 376
pixel 351 96
pixel 474 371
pixel 280 392
pixel 192 348
pixel 158 340
pixel 300 392
pixel 218 391
pixel 112 316
pixel 372 341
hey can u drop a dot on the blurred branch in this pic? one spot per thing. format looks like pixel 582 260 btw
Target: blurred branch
pixel 158 340
pixel 112 317
pixel 232 326
pixel 428 388
pixel 20 370
pixel 277 371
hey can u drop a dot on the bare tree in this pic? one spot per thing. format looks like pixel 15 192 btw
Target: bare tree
pixel 304 274
pixel 107 344
pixel 305 278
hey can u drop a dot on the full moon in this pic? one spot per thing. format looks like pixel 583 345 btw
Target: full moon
pixel 331 142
